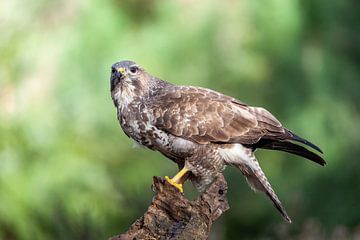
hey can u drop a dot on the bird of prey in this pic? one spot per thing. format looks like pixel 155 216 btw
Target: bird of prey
pixel 201 130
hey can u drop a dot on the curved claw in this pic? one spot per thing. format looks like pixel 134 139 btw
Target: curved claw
pixel 175 184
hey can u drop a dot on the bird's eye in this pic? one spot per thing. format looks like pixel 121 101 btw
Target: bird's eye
pixel 133 69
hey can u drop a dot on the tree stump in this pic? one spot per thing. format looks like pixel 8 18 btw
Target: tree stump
pixel 172 216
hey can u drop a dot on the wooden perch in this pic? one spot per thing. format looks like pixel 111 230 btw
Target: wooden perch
pixel 172 216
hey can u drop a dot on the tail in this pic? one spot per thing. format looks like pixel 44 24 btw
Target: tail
pixel 258 182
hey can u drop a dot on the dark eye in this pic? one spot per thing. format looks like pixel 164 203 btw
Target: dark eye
pixel 133 69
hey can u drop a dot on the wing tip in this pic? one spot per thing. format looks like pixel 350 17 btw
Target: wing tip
pixel 294 148
pixel 304 141
pixel 323 163
pixel 319 160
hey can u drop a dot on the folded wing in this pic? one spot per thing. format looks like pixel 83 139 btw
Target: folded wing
pixel 205 116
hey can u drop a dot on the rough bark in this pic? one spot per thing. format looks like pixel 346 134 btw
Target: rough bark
pixel 172 216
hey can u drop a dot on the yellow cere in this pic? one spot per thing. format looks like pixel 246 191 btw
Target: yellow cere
pixel 121 69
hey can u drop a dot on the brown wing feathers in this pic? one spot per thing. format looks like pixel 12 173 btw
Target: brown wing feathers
pixel 201 115
pixel 278 138
pixel 205 116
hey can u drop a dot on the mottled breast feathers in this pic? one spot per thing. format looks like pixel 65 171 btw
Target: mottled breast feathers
pixel 205 116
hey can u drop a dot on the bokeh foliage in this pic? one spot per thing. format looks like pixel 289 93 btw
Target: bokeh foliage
pixel 68 172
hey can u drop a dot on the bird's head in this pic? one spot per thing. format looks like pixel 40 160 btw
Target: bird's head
pixel 128 80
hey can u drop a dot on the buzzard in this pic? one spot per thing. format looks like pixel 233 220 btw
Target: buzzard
pixel 201 130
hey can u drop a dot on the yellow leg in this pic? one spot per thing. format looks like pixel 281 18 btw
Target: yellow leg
pixel 176 180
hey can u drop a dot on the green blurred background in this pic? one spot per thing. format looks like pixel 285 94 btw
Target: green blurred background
pixel 68 172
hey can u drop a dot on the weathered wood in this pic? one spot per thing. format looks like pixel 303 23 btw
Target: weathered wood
pixel 172 216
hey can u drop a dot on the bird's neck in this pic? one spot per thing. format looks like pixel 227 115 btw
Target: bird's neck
pixel 135 93
pixel 156 85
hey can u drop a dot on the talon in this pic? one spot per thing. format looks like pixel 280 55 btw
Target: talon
pixel 175 184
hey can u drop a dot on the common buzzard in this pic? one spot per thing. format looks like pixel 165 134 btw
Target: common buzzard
pixel 201 130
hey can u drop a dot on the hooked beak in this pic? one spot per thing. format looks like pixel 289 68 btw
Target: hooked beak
pixel 116 75
pixel 119 72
